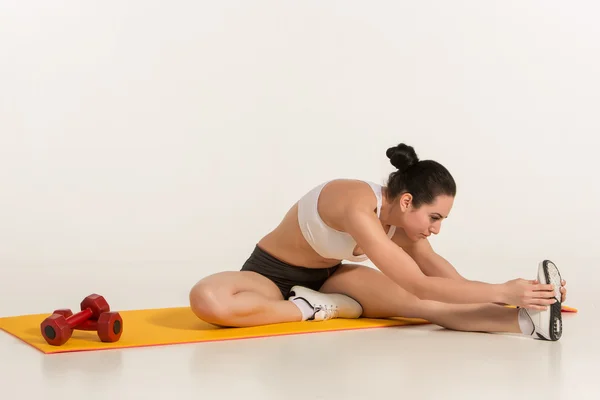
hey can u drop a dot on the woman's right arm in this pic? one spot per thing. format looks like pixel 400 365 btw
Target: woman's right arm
pixel 394 262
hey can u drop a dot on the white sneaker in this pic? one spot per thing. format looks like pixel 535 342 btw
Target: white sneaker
pixel 548 323
pixel 327 305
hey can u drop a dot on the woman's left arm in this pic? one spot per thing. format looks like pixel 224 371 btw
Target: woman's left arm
pixel 431 263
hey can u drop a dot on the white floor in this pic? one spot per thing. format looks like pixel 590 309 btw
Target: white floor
pixel 422 362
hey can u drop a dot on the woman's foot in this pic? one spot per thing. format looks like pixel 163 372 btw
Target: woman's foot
pixel 546 324
pixel 317 306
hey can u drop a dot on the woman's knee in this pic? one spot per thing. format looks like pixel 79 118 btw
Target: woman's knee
pixel 208 301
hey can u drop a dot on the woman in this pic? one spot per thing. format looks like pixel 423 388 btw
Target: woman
pixel 296 272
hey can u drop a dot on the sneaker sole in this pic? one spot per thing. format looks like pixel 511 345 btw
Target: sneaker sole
pixel 553 277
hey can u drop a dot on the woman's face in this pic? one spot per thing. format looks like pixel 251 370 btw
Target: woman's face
pixel 420 223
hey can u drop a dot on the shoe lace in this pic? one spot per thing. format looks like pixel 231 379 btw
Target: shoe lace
pixel 329 311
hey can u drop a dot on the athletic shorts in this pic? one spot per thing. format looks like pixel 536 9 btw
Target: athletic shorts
pixel 285 275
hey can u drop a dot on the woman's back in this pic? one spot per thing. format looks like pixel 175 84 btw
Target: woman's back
pixel 311 233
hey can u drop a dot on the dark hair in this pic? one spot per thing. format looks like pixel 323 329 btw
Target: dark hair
pixel 424 180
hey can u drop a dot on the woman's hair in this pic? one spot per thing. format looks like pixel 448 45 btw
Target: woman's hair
pixel 424 180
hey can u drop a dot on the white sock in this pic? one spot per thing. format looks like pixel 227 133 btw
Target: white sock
pixel 525 322
pixel 305 308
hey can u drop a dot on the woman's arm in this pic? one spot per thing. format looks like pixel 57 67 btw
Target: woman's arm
pixel 430 262
pixel 365 228
pixel 433 264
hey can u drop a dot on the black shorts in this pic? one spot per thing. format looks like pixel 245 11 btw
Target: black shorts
pixel 285 275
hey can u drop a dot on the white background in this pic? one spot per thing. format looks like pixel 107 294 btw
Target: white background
pixel 146 144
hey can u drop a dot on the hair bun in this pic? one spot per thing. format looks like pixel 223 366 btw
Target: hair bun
pixel 402 156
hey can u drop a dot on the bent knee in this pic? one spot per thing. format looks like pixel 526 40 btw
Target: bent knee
pixel 209 303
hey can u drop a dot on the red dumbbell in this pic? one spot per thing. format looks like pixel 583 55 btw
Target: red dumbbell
pixel 65 312
pixel 57 328
pixel 109 326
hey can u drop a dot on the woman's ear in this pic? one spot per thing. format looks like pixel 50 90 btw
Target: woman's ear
pixel 405 202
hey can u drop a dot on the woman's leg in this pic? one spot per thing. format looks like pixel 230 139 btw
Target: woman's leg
pixel 240 299
pixel 380 297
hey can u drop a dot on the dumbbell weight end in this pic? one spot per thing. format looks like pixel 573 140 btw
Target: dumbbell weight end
pixel 56 329
pixel 109 326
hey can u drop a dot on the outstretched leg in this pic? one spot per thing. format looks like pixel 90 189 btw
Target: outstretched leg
pixel 380 297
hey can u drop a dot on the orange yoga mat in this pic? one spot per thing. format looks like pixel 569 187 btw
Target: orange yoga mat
pixel 568 309
pixel 165 326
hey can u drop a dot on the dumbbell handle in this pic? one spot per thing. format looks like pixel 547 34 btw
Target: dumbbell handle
pixel 77 319
pixel 89 325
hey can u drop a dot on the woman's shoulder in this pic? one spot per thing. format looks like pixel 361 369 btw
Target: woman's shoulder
pixel 339 198
pixel 351 184
pixel 348 192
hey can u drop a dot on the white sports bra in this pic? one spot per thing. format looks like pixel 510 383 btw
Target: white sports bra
pixel 326 241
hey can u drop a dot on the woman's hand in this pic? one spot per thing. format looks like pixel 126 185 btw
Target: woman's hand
pixel 563 291
pixel 528 294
